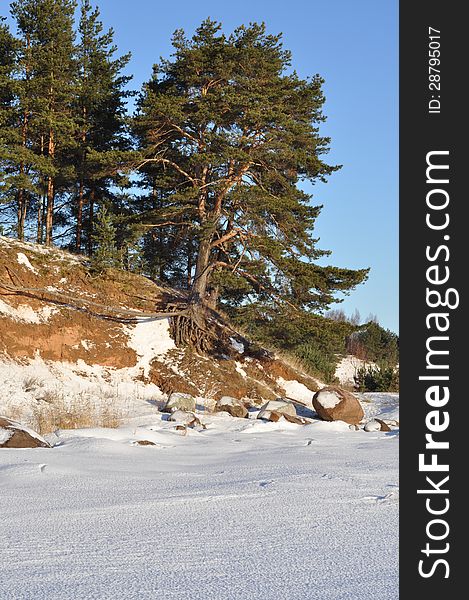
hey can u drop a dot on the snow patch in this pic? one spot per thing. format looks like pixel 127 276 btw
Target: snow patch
pixel 328 399
pixel 24 260
pixel 381 405
pixel 5 435
pixel 347 368
pixel 205 488
pixel 238 346
pixel 240 369
pixel 87 344
pixel 296 390
pixel 26 314
pixel 24 386
pixel 149 339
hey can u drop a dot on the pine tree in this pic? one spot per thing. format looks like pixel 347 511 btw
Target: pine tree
pixel 18 160
pixel 8 135
pixel 234 132
pixel 47 77
pixel 100 113
pixel 104 237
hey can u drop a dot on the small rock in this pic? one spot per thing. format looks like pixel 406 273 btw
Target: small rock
pixel 384 426
pixel 179 401
pixel 296 420
pixel 232 406
pixel 145 443
pixel 333 403
pixel 185 419
pixel 372 425
pixel 391 422
pixel 354 427
pixel 16 435
pixel 273 410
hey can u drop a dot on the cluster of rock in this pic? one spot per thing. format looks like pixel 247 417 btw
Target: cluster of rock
pixel 182 412
pixel 331 403
pixel 182 408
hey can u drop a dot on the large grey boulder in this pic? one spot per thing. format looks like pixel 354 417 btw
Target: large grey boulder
pixel 179 401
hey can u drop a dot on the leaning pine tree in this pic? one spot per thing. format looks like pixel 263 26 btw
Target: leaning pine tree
pixel 234 132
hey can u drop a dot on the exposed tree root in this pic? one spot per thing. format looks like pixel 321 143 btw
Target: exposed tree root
pixel 194 329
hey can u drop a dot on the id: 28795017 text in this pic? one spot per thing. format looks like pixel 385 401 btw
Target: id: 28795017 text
pixel 434 75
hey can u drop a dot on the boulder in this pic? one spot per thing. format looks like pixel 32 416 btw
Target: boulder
pixel 179 401
pixel 390 422
pixel 232 406
pixel 273 410
pixel 377 425
pixel 332 403
pixel 15 435
pixel 384 425
pixel 296 420
pixel 185 419
pixel 372 425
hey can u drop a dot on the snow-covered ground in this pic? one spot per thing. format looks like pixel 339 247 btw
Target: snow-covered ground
pixel 241 510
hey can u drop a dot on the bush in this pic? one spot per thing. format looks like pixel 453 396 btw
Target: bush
pixel 374 343
pixel 317 361
pixel 317 341
pixel 377 379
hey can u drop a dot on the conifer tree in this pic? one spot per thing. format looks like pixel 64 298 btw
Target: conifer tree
pixel 104 236
pixel 235 132
pixel 100 113
pixel 48 72
pixel 8 133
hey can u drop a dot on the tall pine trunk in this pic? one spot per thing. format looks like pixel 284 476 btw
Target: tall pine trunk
pixel 40 220
pixel 81 189
pixel 202 270
pixel 91 223
pixel 22 207
pixel 193 329
pixel 22 198
pixel 50 193
pixel 80 203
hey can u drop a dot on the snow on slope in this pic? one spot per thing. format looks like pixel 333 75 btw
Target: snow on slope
pixel 150 339
pixel 26 314
pixel 244 509
pixel 28 388
pixel 24 260
pixel 348 367
pixel 24 385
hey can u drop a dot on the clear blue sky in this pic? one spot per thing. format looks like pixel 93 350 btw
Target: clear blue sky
pixel 354 46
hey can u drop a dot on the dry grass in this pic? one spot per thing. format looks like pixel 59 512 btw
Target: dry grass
pixel 55 411
pixel 31 383
pixel 294 362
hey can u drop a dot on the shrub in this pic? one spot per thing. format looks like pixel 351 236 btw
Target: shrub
pixel 317 361
pixel 374 343
pixel 377 379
